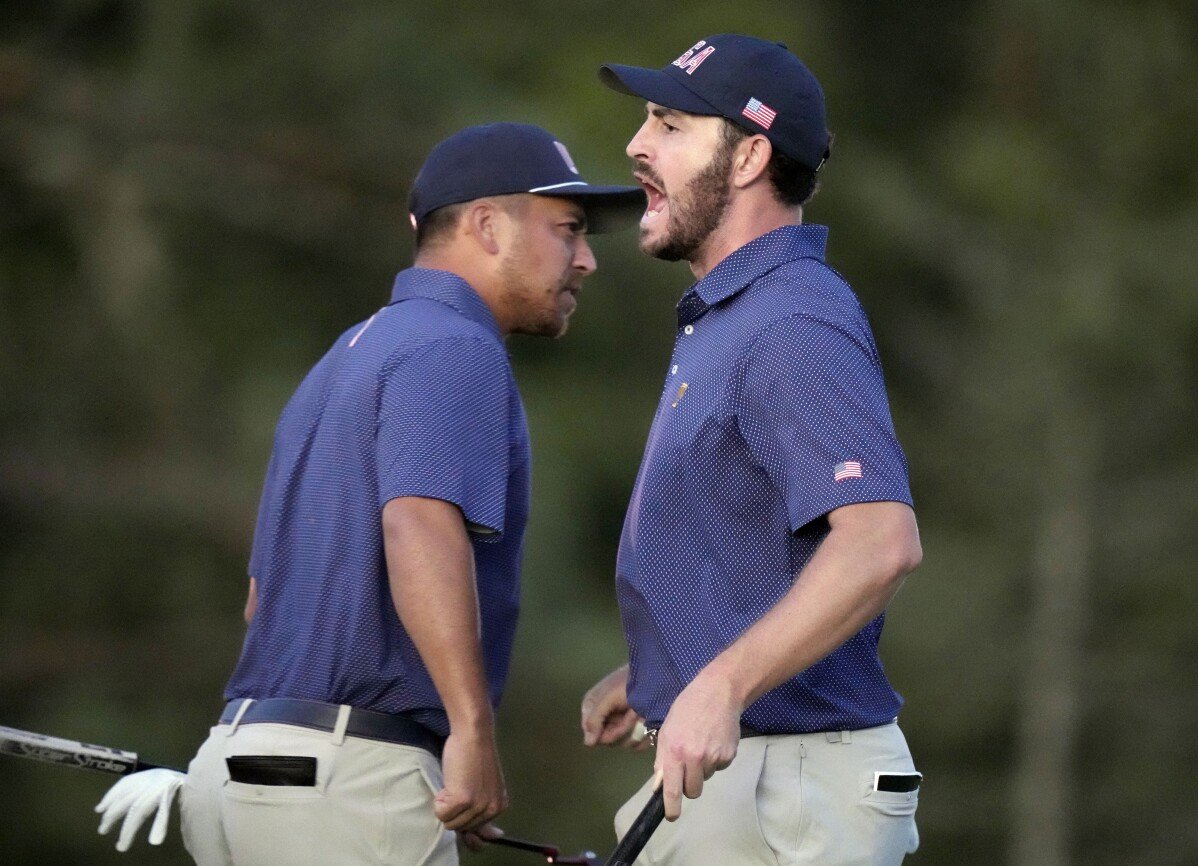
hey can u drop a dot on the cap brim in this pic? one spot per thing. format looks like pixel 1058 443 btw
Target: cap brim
pixel 608 208
pixel 655 86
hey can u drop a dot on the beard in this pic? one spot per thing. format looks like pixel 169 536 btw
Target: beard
pixel 533 301
pixel 696 211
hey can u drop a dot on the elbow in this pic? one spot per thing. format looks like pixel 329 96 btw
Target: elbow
pixel 896 549
pixel 910 557
pixel 882 538
pixel 904 553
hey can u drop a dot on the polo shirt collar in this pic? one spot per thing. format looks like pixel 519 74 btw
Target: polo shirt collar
pixel 752 261
pixel 445 288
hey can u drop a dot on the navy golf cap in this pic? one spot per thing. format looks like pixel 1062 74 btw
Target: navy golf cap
pixel 756 84
pixel 506 158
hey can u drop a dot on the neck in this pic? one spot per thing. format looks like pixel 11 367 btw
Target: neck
pixel 449 260
pixel 747 218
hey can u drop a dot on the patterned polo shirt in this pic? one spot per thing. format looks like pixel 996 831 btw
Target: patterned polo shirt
pixel 774 413
pixel 419 400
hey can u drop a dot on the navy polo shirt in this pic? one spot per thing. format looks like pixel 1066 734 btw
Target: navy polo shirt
pixel 773 414
pixel 419 400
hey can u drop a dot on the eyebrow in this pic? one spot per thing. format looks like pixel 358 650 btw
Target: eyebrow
pixel 660 112
pixel 579 214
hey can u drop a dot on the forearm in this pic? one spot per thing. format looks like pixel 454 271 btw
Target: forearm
pixel 430 567
pixel 251 602
pixel 851 578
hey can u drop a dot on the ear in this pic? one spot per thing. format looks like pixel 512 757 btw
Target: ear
pixel 750 160
pixel 482 222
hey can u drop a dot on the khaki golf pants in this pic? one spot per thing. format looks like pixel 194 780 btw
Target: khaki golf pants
pixel 793 800
pixel 372 803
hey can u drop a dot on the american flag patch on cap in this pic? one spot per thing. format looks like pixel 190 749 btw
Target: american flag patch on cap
pixel 757 110
pixel 847 469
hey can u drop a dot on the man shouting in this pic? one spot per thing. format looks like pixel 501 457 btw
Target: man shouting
pixel 771 521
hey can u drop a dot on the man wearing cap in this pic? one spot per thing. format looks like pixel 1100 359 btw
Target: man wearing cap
pixel 384 577
pixel 771 522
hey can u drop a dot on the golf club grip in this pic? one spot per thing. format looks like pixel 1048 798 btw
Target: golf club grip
pixel 638 834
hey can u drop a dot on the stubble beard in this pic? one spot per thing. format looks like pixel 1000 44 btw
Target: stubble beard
pixel 530 315
pixel 696 212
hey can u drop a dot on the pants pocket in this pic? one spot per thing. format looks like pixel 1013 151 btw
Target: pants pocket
pixel 271 824
pixel 847 822
pixel 898 804
pixel 412 833
pixel 280 770
pixel 897 809
pixel 724 826
pixel 292 768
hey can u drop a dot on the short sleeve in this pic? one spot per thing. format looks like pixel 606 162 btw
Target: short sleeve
pixel 443 422
pixel 811 405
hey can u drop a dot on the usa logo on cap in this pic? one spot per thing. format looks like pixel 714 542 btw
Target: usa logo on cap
pixel 689 61
pixel 561 148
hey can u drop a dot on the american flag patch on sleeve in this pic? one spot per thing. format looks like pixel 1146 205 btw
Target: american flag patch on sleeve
pixel 847 469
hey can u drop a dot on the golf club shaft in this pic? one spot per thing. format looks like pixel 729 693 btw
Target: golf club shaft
pixel 523 845
pixel 70 753
pixel 638 834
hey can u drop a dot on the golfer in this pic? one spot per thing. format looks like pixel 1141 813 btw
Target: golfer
pixel 771 521
pixel 384 577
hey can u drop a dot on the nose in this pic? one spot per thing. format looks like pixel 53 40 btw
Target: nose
pixel 638 148
pixel 584 258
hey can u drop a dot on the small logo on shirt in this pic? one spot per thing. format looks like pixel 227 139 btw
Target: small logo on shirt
pixel 678 397
pixel 847 469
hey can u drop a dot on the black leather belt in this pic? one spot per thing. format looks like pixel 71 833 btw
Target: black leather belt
pixel 745 732
pixel 367 724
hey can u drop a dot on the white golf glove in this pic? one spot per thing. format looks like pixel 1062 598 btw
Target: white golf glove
pixel 134 797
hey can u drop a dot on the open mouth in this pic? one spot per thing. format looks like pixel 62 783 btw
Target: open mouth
pixel 657 198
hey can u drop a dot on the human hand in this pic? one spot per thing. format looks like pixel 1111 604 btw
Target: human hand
pixel 607 719
pixel 699 736
pixel 476 840
pixel 474 791
pixel 134 797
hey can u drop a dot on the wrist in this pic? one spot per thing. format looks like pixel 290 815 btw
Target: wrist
pixel 618 678
pixel 724 677
pixel 474 724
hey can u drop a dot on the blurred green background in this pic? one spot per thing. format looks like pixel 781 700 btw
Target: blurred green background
pixel 197 196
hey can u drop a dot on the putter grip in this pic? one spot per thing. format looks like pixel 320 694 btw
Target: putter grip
pixel 638 834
